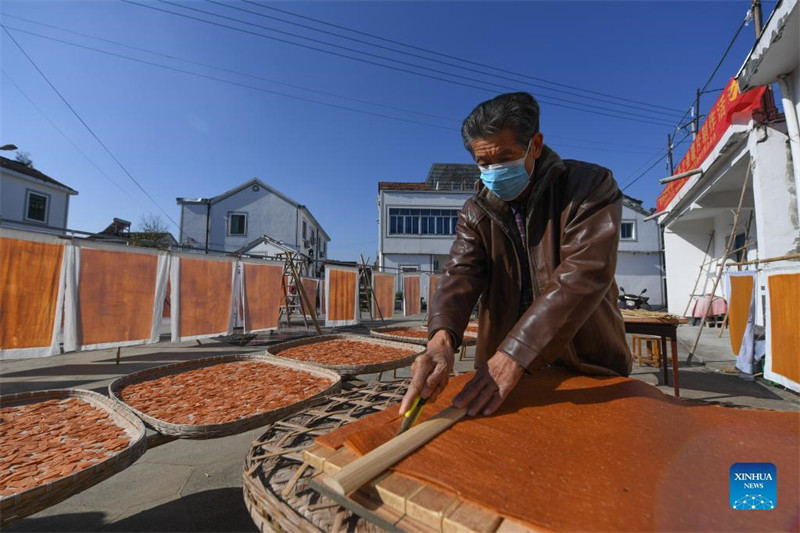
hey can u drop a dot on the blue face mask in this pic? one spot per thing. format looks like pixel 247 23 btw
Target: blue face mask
pixel 507 180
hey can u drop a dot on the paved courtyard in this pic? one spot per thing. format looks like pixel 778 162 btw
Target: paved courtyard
pixel 186 485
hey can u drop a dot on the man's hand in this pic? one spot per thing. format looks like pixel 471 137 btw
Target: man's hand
pixel 491 385
pixel 430 370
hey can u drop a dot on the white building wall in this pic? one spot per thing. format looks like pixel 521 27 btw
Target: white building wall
pixel 778 228
pixel 266 214
pixel 685 252
pixel 13 200
pixel 193 223
pixel 646 233
pixel 639 260
pixel 418 244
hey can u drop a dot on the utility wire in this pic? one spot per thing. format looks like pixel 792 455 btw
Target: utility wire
pixel 484 65
pixel 735 36
pixel 626 105
pixel 237 84
pixel 215 67
pixel 70 141
pixel 659 157
pixel 271 80
pixel 229 82
pixel 108 151
pixel 628 116
pixel 405 63
pixel 680 123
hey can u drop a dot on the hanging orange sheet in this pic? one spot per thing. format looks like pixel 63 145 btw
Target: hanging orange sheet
pixel 116 292
pixel 342 301
pixel 311 286
pixel 411 295
pixel 433 281
pixel 741 297
pixel 30 273
pixel 383 297
pixel 205 296
pixel 784 312
pixel 580 453
pixel 263 295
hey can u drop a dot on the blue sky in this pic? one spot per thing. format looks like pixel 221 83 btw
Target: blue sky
pixel 319 140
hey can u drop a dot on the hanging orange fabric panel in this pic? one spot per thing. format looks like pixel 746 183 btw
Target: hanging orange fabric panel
pixel 116 293
pixel 740 299
pixel 383 297
pixel 578 453
pixel 30 273
pixel 263 295
pixel 342 291
pixel 411 295
pixel 784 311
pixel 434 280
pixel 205 292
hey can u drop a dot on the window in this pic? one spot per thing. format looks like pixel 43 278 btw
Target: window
pixel 237 223
pixel 36 207
pixel 627 230
pixel 422 221
pixel 305 229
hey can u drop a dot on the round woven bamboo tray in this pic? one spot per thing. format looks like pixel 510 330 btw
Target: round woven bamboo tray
pixel 351 370
pixel 387 334
pixel 209 431
pixel 276 491
pixel 33 500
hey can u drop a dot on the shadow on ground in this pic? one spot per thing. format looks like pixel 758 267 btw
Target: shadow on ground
pixel 213 510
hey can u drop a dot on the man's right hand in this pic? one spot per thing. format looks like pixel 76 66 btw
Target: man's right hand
pixel 431 370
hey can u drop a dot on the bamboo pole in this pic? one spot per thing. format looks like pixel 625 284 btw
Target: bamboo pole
pixel 788 257
pixel 699 274
pixel 725 255
pixel 303 296
pixel 371 465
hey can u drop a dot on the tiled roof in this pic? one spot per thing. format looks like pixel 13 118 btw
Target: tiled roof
pixel 635 204
pixel 403 186
pixel 16 166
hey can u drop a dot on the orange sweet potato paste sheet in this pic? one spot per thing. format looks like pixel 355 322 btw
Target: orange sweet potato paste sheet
pixel 30 274
pixel 342 295
pixel 264 295
pixel 784 295
pixel 205 296
pixel 411 295
pixel 383 287
pixel 116 296
pixel 579 453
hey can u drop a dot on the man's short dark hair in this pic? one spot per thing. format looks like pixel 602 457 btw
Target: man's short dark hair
pixel 516 111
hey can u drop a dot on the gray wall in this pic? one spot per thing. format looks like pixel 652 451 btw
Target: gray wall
pixel 13 199
pixel 267 214
pixel 639 260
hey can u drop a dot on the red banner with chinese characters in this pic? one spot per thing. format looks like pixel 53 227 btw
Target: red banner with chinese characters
pixel 731 106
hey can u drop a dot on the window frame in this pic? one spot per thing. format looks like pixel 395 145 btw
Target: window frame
pixel 47 198
pixel 230 219
pixel 634 237
pixel 429 222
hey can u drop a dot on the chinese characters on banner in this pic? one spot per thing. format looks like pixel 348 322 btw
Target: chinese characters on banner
pixel 729 108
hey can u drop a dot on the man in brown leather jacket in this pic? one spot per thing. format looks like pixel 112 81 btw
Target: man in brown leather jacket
pixel 538 245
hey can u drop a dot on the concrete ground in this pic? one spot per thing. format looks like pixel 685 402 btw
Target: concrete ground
pixel 187 485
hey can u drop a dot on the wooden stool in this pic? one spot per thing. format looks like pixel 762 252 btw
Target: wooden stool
pixel 652 346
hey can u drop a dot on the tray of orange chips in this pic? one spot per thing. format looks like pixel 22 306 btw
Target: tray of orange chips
pixel 56 443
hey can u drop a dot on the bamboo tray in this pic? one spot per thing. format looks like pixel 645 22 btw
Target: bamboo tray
pixel 276 490
pixel 392 333
pixel 351 370
pixel 208 431
pixel 28 502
